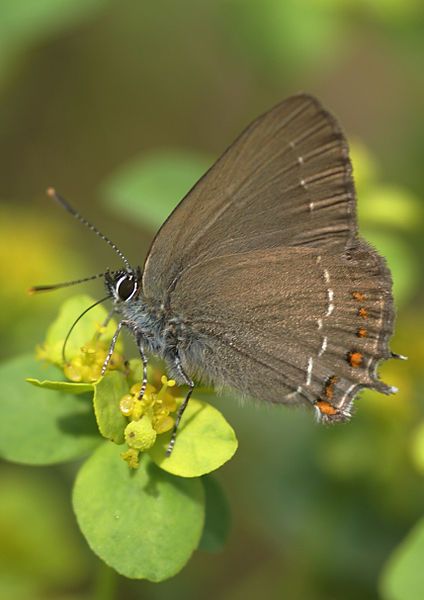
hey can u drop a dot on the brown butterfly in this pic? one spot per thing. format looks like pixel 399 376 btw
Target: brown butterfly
pixel 258 280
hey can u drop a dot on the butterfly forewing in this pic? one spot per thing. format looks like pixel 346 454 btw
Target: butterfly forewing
pixel 285 181
pixel 261 270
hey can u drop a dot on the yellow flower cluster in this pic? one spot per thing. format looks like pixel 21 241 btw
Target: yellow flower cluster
pixel 149 416
pixel 86 366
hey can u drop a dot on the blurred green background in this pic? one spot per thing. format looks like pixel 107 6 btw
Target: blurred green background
pixel 122 106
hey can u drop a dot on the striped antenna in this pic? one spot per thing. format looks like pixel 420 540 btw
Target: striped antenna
pixel 55 286
pixel 51 192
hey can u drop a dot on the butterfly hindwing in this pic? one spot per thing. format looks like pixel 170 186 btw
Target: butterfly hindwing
pixel 299 339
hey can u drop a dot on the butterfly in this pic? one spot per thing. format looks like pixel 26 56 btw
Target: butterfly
pixel 258 281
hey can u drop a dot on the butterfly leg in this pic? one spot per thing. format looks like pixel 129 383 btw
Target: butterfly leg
pixel 183 406
pixel 108 318
pixel 143 356
pixel 104 324
pixel 112 346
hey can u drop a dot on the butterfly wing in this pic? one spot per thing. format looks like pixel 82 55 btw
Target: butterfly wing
pixel 258 325
pixel 261 268
pixel 285 181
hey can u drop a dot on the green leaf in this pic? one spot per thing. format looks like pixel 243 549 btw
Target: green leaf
pixel 289 35
pixel 149 188
pixel 145 523
pixel 418 447
pixel 401 260
pixel 365 169
pixel 108 392
pixel 205 441
pixel 25 21
pixel 390 206
pixel 218 517
pixel 62 386
pixel 403 576
pixel 38 426
pixel 83 331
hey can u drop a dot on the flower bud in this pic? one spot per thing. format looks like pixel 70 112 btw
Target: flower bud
pixel 140 435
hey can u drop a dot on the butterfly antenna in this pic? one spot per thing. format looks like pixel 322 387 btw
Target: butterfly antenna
pixel 51 192
pixel 68 335
pixel 55 286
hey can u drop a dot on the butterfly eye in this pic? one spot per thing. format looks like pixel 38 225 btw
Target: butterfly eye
pixel 126 287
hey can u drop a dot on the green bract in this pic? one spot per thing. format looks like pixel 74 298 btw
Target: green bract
pixel 145 524
pixel 62 386
pixel 144 521
pixel 205 441
pixel 42 427
pixel 107 394
pixel 81 334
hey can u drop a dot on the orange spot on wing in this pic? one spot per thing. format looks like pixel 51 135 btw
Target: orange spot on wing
pixel 326 408
pixel 355 359
pixel 358 296
pixel 362 332
pixel 329 387
pixel 362 312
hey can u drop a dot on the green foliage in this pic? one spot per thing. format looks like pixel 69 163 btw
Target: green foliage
pixel 24 22
pixel 142 521
pixel 83 331
pixel 275 32
pixel 149 188
pixel 33 507
pixel 61 386
pixel 145 524
pixel 386 11
pixel 403 266
pixel 390 206
pixel 218 517
pixel 403 577
pixel 385 213
pixel 107 394
pixel 202 428
pixel 39 427
pixel 418 447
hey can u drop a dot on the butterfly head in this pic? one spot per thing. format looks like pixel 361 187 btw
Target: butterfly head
pixel 123 285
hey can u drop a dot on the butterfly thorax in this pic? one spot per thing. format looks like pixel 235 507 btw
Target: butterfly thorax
pixel 156 327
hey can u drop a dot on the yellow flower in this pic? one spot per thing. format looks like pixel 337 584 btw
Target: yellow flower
pixel 157 405
pixel 131 458
pixel 149 416
pixel 87 365
pixel 140 434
